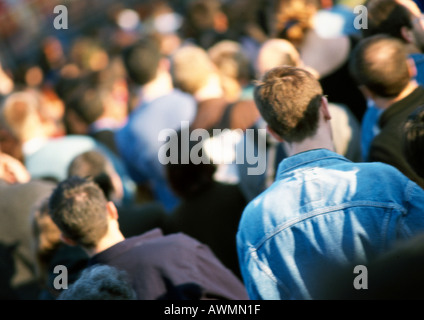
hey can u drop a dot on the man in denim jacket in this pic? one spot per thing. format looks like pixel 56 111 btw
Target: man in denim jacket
pixel 323 212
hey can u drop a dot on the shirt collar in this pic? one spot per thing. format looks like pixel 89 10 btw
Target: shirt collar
pixel 306 159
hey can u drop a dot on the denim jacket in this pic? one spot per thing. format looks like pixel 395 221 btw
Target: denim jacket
pixel 321 213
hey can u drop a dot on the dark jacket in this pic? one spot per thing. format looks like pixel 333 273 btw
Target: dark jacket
pixel 175 267
pixel 387 145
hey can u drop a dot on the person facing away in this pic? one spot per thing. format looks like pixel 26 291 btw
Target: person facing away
pixel 134 218
pixel 296 21
pixel 384 74
pixel 399 19
pixel 160 106
pixel 159 267
pixel 19 192
pixel 323 211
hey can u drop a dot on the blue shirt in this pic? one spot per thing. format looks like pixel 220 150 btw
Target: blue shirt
pixel 138 141
pixel 52 157
pixel 321 213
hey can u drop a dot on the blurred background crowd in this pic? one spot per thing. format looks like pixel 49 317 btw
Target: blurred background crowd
pixel 78 101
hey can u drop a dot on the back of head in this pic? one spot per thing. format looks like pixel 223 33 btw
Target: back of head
pixel 78 207
pixel 20 115
pixel 191 68
pixel 87 102
pixel 380 63
pixel 276 52
pixel 413 140
pixel 386 17
pixel 289 99
pixel 141 60
pixel 292 19
pixel 231 60
pixel 100 282
pixel 233 65
pixel 94 165
pixel 203 18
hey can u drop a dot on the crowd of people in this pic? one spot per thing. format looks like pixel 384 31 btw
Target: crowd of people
pixel 332 113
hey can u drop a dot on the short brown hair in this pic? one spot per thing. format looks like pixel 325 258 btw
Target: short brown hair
pixel 380 64
pixel 386 17
pixel 288 99
pixel 79 208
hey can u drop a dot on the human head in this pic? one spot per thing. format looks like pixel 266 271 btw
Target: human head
pixel 397 18
pixel 231 60
pixel 380 65
pixel 292 19
pixel 79 208
pixel 276 52
pixel 386 17
pixel 100 282
pixel 204 21
pixel 191 68
pixel 95 165
pixel 413 140
pixel 84 107
pixel 289 99
pixel 142 59
pixel 233 65
pixel 20 115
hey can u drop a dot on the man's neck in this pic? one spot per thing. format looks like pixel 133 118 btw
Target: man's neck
pixel 323 139
pixel 295 148
pixel 112 237
pixel 212 89
pixel 412 48
pixel 156 88
pixel 384 103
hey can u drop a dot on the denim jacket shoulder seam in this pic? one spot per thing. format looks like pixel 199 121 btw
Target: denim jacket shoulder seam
pixel 326 210
pixel 280 173
pixel 265 269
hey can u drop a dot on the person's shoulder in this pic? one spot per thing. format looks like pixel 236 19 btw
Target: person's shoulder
pixel 383 173
pixel 36 187
pixel 180 96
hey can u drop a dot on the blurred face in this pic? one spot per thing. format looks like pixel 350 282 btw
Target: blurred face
pixel 417 19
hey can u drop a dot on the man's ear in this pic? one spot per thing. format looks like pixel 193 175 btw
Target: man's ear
pixel 67 240
pixel 164 64
pixel 112 210
pixel 325 109
pixel 412 68
pixel 407 34
pixel 274 134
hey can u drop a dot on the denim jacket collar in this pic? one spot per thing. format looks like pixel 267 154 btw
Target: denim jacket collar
pixel 305 160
